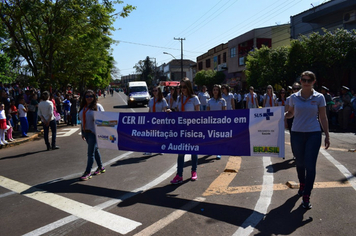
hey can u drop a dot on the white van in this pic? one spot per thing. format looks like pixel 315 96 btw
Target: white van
pixel 137 93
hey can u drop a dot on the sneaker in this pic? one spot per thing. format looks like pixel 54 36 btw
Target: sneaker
pixel 99 171
pixel 5 142
pixel 301 189
pixel 194 175
pixel 218 157
pixel 86 176
pixel 306 202
pixel 177 180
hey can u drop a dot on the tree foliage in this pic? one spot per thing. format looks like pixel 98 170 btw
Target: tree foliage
pixel 63 41
pixel 330 55
pixel 209 78
pixel 147 69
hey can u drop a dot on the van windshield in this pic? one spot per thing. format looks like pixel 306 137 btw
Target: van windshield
pixel 138 89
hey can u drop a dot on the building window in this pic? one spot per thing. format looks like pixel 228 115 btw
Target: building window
pixel 207 63
pixel 233 52
pixel 219 59
pixel 224 57
pixel 200 65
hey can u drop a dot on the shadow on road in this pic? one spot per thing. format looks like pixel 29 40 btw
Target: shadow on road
pixel 23 154
pixel 287 164
pixel 283 220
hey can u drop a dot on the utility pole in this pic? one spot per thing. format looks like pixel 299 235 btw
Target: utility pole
pixel 181 55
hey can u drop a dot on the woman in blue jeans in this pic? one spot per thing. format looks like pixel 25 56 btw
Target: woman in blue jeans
pixel 308 108
pixel 187 101
pixel 86 114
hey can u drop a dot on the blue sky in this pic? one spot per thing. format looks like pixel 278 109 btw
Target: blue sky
pixel 151 28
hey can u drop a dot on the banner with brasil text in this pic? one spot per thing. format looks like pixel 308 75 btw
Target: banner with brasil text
pixel 248 132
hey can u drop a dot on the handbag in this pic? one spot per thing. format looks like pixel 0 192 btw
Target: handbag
pixel 57 116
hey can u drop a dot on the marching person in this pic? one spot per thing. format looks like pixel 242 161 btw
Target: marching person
pixel 251 99
pixel 269 98
pixel 307 106
pixel 45 112
pixel 229 97
pixel 187 101
pixel 216 103
pixel 86 115
pixel 157 104
pixel 282 97
pixel 203 98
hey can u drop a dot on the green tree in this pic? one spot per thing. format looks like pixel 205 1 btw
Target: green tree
pixel 209 78
pixel 45 33
pixel 147 69
pixel 266 66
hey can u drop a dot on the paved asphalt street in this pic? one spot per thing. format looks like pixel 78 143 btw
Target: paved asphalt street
pixel 40 191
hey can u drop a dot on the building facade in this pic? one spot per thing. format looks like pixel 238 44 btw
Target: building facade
pixel 330 15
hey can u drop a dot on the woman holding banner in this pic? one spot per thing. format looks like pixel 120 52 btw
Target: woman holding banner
pixel 157 104
pixel 216 103
pixel 307 106
pixel 187 101
pixel 86 115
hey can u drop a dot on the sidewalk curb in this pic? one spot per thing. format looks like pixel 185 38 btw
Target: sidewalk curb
pixel 35 136
pixel 18 142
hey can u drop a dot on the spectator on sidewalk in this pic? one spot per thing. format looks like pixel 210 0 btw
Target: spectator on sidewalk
pixel 45 112
pixel 66 107
pixel 14 114
pixel 2 125
pixel 34 103
pixel 23 117
pixel 345 112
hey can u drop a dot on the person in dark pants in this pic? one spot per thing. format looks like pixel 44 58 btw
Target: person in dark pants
pixel 45 112
pixel 309 110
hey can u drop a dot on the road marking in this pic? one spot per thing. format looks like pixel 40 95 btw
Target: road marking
pixel 263 202
pixel 341 168
pixel 221 183
pixel 66 132
pixel 59 223
pixel 154 228
pixel 92 214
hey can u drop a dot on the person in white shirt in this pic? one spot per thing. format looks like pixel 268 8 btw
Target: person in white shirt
pixel 157 104
pixel 187 101
pixel 23 117
pixel 229 97
pixel 251 99
pixel 45 112
pixel 216 103
pixel 203 98
pixel 269 98
pixel 86 114
pixel 308 108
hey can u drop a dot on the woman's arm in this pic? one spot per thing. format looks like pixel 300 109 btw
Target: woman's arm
pixel 325 125
pixel 197 107
pixel 232 103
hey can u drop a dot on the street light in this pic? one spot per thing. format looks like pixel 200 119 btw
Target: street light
pixel 170 54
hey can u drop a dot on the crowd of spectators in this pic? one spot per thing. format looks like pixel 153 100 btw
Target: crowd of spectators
pixel 65 105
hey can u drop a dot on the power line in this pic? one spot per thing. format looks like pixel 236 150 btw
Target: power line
pixel 153 46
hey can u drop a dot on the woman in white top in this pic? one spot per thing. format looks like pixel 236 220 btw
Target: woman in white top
pixel 269 98
pixel 282 97
pixel 86 114
pixel 216 103
pixel 157 104
pixel 229 97
pixel 203 98
pixel 187 101
pixel 169 96
pixel 309 110
pixel 251 99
